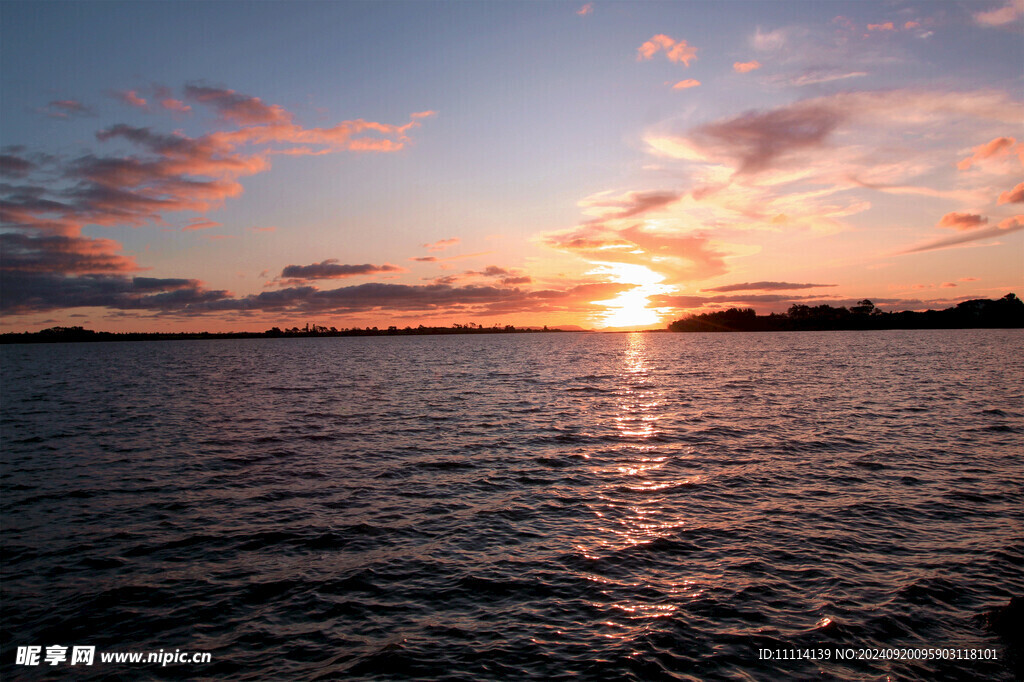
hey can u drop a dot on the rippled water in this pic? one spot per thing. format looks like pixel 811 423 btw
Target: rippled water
pixel 550 506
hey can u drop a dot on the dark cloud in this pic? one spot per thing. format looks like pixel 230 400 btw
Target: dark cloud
pixel 62 254
pixel 332 269
pixel 631 204
pixel 766 286
pixel 757 140
pixel 15 166
pixel 26 292
pixel 236 107
pixel 66 108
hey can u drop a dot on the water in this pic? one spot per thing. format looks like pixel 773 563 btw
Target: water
pixel 547 506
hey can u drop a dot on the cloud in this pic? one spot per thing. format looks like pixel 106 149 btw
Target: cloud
pixel 14 166
pixel 66 108
pixel 57 197
pixel 332 269
pixel 948 285
pixel 426 259
pixel 1013 196
pixel 176 105
pixel 674 51
pixel 818 76
pixel 131 98
pixel 440 245
pixel 627 205
pixel 766 286
pixel 676 257
pixel 62 254
pixel 586 9
pixel 1001 16
pixel 200 224
pixel 962 221
pixel 27 292
pixel 684 84
pixel 38 292
pixel 1000 147
pixel 746 67
pixel 887 26
pixel 1005 227
pixel 235 107
pixel 757 140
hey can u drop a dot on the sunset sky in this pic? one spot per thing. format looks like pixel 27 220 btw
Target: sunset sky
pixel 235 166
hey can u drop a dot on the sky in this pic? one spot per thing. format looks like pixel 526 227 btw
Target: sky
pixel 230 166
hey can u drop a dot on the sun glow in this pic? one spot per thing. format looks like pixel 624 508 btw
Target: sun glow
pixel 629 309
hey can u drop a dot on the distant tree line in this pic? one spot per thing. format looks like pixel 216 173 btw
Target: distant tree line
pixel 1005 312
pixel 79 334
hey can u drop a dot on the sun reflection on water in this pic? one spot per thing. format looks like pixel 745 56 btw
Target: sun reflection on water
pixel 637 503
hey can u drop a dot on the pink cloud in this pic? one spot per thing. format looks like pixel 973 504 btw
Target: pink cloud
pixel 887 26
pixel 200 224
pixel 627 205
pixel 131 98
pixel 1007 14
pixel 1013 196
pixel 766 286
pixel 1005 227
pixel 166 173
pixel 674 51
pixel 948 285
pixel 441 245
pixel 685 84
pixel 746 67
pixel 1000 147
pixel 911 24
pixel 270 228
pixel 176 105
pixel 586 9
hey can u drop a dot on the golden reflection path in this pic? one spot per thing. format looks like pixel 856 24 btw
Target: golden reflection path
pixel 632 507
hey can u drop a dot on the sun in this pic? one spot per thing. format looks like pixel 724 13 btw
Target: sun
pixel 629 309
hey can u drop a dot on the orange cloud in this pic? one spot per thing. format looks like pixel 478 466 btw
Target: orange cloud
pixel 1000 147
pixel 887 26
pixel 962 221
pixel 200 224
pixel 441 245
pixel 1013 196
pixel 132 98
pixel 746 67
pixel 175 105
pixel 911 24
pixel 674 51
pixel 688 83
pixel 1005 227
pixel 586 9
